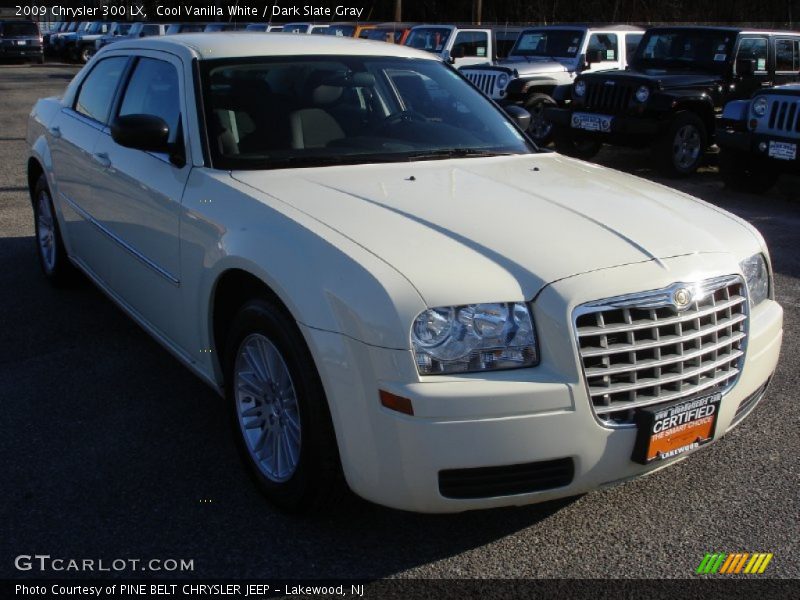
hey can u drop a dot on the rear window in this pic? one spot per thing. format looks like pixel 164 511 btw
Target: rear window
pixel 11 29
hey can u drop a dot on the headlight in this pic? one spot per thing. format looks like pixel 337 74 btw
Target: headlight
pixel 643 93
pixel 759 106
pixel 502 81
pixel 756 275
pixel 475 337
pixel 579 89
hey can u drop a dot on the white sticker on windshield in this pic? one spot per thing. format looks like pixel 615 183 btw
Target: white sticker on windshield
pixel 572 49
pixel 481 50
pixel 721 48
pixel 720 57
pixel 576 40
pixel 610 54
pixel 761 64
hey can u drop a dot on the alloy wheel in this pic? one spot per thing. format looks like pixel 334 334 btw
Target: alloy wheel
pixel 46 231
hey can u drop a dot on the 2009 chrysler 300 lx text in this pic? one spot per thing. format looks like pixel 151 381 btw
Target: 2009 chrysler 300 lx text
pixel 388 281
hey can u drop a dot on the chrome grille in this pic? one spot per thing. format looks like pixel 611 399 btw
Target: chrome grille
pixel 784 115
pixel 607 96
pixel 640 349
pixel 483 80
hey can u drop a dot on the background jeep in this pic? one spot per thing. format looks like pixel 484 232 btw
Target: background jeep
pixel 464 45
pixel 758 138
pixel 545 59
pixel 670 97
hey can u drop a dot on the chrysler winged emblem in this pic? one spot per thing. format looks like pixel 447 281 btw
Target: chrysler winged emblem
pixel 682 298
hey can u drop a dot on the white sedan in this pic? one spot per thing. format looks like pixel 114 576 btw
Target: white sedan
pixel 389 284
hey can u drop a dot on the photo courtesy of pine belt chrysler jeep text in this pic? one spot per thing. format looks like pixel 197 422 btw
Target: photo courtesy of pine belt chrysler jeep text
pixel 390 285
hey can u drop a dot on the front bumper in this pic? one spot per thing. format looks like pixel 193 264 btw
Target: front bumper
pixel 621 125
pixel 16 52
pixel 749 142
pixel 512 417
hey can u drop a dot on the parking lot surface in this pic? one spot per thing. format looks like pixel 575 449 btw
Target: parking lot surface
pixel 112 449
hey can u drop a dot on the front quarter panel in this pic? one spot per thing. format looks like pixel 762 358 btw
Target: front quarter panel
pixel 325 280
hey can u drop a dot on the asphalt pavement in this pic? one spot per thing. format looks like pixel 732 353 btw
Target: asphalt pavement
pixel 111 449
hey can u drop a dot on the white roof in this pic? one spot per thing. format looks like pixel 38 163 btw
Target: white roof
pixel 208 46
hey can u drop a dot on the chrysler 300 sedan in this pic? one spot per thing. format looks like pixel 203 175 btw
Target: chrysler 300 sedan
pixel 392 288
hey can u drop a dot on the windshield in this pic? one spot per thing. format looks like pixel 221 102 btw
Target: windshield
pixel 19 29
pixel 340 30
pixel 84 26
pixel 120 28
pixel 685 48
pixel 282 112
pixel 256 27
pixel 296 28
pixel 564 43
pixel 432 39
pixel 384 35
pixel 95 28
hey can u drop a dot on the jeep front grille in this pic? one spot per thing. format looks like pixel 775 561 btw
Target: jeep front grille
pixel 608 96
pixel 784 115
pixel 483 80
pixel 639 349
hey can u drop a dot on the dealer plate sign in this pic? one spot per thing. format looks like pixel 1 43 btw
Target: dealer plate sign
pixel 782 150
pixel 667 430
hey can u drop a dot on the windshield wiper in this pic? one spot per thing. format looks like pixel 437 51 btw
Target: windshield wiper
pixel 453 153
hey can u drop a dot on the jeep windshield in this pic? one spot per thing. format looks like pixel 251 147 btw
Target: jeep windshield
pixel 432 39
pixel 278 112
pixel 19 29
pixel 549 43
pixel 707 49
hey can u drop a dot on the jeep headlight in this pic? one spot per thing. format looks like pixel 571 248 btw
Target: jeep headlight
pixel 759 106
pixel 642 94
pixel 756 274
pixel 502 81
pixel 474 337
pixel 579 89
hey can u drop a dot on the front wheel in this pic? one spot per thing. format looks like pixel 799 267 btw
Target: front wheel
pixel 680 150
pixel 53 258
pixel 86 54
pixel 540 129
pixel 279 411
pixel 741 171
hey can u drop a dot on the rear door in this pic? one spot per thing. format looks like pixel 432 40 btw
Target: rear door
pixel 787 59
pixel 753 47
pixel 142 193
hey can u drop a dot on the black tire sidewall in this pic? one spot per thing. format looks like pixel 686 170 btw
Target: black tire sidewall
pixel 533 101
pixel 318 466
pixel 664 150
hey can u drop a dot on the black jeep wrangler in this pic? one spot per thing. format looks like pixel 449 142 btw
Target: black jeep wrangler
pixel 670 96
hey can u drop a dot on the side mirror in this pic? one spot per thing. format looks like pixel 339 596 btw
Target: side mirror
pixel 448 58
pixel 142 132
pixel 519 115
pixel 594 56
pixel 745 67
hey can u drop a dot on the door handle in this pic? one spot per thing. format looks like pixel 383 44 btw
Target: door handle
pixel 102 158
pixel 55 131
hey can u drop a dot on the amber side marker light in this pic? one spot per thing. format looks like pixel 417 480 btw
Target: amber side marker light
pixel 398 403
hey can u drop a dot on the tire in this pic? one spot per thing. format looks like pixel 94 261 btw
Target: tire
pixel 743 172
pixel 567 144
pixel 540 129
pixel 53 258
pixel 280 410
pixel 85 54
pixel 680 151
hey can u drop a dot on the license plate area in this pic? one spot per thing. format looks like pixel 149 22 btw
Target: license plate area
pixel 591 122
pixel 668 430
pixel 782 150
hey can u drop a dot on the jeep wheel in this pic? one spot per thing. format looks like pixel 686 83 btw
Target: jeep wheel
pixel 540 129
pixel 279 411
pixel 742 172
pixel 680 151
pixel 569 145
pixel 86 54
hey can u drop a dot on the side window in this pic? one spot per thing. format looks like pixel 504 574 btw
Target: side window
pixel 631 44
pixel 97 90
pixel 149 30
pixel 754 49
pixel 153 90
pixel 607 43
pixel 474 43
pixel 787 56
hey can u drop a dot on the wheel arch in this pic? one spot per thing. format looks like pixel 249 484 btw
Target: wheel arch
pixel 702 109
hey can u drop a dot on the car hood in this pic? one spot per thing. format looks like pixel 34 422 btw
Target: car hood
pixel 665 79
pixel 523 65
pixel 501 228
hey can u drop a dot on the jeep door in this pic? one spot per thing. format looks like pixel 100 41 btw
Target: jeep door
pixel 787 59
pixel 752 47
pixel 608 44
pixel 142 193
pixel 471 47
